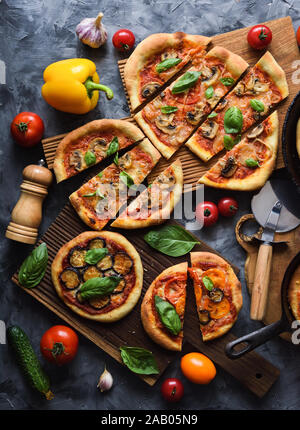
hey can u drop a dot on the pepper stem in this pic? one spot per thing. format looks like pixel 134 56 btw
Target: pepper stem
pixel 91 86
pixel 98 20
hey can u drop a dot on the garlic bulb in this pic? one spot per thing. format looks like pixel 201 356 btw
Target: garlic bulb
pixel 106 381
pixel 91 31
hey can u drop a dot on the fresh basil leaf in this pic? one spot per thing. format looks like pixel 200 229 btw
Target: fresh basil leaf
pixel 93 256
pixel 171 240
pixel 100 174
pixel 228 142
pixel 113 147
pixel 250 162
pixel 116 159
pixel 34 267
pixel 227 81
pixel 167 64
pixel 97 287
pixel 257 105
pixel 186 81
pixel 95 193
pixel 89 158
pixel 127 179
pixel 208 283
pixel 169 109
pixel 212 115
pixel 233 120
pixel 168 315
pixel 209 92
pixel 139 360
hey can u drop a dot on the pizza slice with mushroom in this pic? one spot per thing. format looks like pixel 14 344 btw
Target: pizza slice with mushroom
pixel 91 143
pixel 156 203
pixel 163 307
pixel 99 200
pixel 218 294
pixel 250 163
pixel 261 89
pixel 173 115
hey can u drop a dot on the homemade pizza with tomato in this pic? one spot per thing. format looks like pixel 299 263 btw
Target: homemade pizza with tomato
pixel 98 275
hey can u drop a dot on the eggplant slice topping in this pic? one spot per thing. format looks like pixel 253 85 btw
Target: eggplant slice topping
pixel 77 257
pixel 97 243
pixel 120 287
pixel 110 272
pixel 99 302
pixel 91 272
pixel 106 263
pixel 122 263
pixel 70 278
pixel 216 295
pixel 204 316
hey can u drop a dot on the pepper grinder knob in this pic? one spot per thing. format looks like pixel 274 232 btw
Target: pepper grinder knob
pixel 27 214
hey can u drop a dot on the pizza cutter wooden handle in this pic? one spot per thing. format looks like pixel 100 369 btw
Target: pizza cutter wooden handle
pixel 261 282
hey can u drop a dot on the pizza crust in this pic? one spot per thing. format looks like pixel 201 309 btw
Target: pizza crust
pixel 148 317
pixel 102 125
pixel 236 290
pixel 135 293
pixel 259 177
pixel 126 222
pixel 269 65
pixel 234 64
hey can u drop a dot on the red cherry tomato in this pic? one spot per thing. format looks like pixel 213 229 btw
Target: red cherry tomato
pixel 123 40
pixel 259 36
pixel 59 344
pixel 228 206
pixel 298 36
pixel 207 212
pixel 27 129
pixel 172 390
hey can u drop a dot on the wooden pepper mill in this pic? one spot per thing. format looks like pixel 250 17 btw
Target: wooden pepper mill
pixel 27 214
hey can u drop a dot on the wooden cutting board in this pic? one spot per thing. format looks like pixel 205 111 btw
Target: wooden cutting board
pixel 252 370
pixel 282 256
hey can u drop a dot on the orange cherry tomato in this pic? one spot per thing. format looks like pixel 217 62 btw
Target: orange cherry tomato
pixel 217 310
pixel 198 368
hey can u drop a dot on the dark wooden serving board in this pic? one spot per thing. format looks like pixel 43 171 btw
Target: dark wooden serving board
pixel 252 370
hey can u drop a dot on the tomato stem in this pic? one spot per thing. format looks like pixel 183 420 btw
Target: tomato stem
pixel 207 212
pixel 22 126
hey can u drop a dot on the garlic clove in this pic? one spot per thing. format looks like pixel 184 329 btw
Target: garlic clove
pixel 92 32
pixel 105 381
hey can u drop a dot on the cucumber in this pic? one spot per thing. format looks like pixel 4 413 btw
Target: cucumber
pixel 28 361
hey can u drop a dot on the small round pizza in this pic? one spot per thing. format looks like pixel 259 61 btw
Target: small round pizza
pixel 98 275
pixel 156 203
pixel 163 306
pixel 294 294
pixel 218 294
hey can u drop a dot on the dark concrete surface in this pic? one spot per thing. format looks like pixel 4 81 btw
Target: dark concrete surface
pixel 34 33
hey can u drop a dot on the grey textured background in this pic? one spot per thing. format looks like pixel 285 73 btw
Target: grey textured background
pixel 33 34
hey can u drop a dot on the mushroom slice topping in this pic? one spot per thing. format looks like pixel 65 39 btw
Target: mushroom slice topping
pixel 215 98
pixel 230 167
pixel 204 316
pixel 260 87
pixel 167 55
pixel 166 181
pixel 99 302
pixel 98 146
pixel 106 263
pixel 125 162
pixel 209 129
pixel 70 278
pixel 76 159
pixel 210 75
pixel 149 89
pixel 221 105
pixel 77 257
pixel 97 243
pixel 240 89
pixel 164 123
pixel 122 263
pixel 256 132
pixel 91 272
pixel 194 116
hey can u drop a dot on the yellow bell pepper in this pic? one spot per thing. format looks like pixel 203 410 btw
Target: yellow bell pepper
pixel 73 86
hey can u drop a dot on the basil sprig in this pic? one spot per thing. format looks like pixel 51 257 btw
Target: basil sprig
pixel 209 92
pixel 113 147
pixel 171 240
pixel 229 142
pixel 34 267
pixel 89 158
pixel 116 159
pixel 186 81
pixel 97 287
pixel 139 360
pixel 208 283
pixel 250 162
pixel 95 193
pixel 212 115
pixel 168 315
pixel 93 256
pixel 257 105
pixel 168 109
pixel 233 120
pixel 126 178
pixel 227 81
pixel 167 64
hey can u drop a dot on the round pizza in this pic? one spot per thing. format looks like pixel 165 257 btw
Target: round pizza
pixel 218 294
pixel 163 306
pixel 98 275
pixel 294 294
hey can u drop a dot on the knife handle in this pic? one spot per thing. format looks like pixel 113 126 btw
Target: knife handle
pixel 261 282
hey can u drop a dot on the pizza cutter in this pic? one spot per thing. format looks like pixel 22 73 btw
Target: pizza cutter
pixel 276 209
